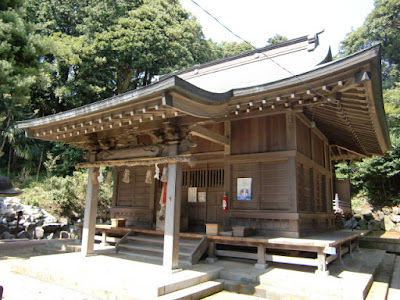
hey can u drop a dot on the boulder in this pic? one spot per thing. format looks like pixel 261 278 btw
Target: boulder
pixel 64 235
pixel 51 227
pixel 3 228
pixel 380 215
pixel 363 224
pixel 38 233
pixel 6 236
pixel 389 225
pixel 368 217
pixel 396 210
pixel 374 225
pixel 397 227
pixel 395 218
pixel 23 235
pixel 351 224
pixel 387 210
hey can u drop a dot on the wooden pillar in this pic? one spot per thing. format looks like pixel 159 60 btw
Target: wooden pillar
pixel 89 220
pixel 172 213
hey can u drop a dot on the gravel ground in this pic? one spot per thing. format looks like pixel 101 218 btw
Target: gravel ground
pixel 17 287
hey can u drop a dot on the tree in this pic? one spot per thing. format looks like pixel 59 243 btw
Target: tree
pixel 226 49
pixel 382 26
pixel 20 67
pixel 276 39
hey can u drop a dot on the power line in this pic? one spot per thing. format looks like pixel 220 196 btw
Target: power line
pixel 268 57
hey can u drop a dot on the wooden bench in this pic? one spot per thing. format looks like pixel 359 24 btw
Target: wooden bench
pixel 324 248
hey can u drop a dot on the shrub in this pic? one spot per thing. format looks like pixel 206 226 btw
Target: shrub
pixel 65 196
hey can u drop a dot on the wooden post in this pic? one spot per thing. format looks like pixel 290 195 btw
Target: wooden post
pixel 172 213
pixel 261 261
pixel 322 268
pixel 212 257
pixel 89 220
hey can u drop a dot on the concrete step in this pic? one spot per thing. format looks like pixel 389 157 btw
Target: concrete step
pixel 238 287
pixel 350 278
pixel 380 286
pixel 190 249
pixel 152 257
pixel 225 295
pixel 154 239
pixel 132 280
pixel 198 291
pixel 152 248
pixel 394 287
pixel 186 279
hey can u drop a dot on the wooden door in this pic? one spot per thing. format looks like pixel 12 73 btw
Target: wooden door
pixel 209 184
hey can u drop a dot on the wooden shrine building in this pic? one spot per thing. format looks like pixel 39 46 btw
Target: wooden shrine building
pixel 263 127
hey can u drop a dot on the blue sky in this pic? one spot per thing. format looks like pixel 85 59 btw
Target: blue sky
pixel 258 20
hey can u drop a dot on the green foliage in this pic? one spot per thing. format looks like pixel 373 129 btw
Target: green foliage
pixel 226 49
pixel 19 68
pixel 276 39
pixel 378 177
pixel 392 108
pixel 381 26
pixel 65 196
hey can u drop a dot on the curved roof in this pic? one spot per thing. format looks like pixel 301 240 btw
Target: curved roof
pixel 343 98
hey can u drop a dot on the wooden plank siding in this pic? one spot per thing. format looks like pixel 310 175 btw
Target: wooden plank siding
pixel 259 135
pixel 131 200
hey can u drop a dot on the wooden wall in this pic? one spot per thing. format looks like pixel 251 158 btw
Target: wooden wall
pixel 314 178
pixel 257 135
pixel 287 160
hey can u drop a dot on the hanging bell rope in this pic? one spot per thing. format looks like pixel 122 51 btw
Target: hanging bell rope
pixel 139 162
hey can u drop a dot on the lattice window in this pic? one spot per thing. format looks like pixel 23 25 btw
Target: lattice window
pixel 203 178
pixel 197 178
pixel 216 177
pixel 185 179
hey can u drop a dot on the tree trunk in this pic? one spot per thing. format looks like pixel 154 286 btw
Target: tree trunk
pixel 3 142
pixel 9 161
pixel 40 164
pixel 124 78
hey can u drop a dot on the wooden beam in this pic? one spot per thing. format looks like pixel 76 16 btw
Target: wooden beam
pixel 209 135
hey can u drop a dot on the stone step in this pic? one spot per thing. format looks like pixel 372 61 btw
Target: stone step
pixel 198 291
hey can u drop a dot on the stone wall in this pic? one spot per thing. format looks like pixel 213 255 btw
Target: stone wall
pixel 18 221
pixel 385 219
